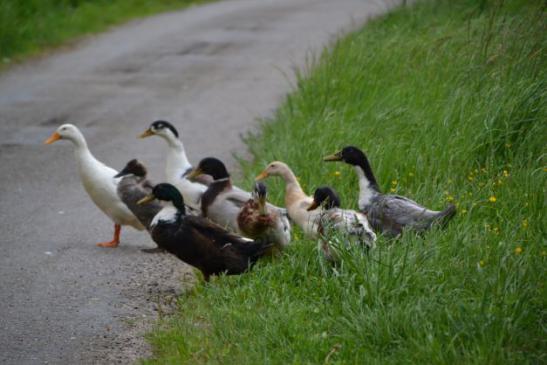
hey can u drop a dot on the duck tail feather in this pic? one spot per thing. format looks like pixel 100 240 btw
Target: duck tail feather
pixel 446 215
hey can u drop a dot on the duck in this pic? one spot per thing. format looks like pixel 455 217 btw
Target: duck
pixel 389 214
pixel 99 182
pixel 257 220
pixel 350 223
pixel 197 241
pixel 134 186
pixel 177 166
pixel 297 201
pixel 224 203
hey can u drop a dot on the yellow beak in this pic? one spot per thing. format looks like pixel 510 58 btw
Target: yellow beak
pixel 261 176
pixel 146 133
pixel 194 173
pixel 54 137
pixel 146 199
pixel 334 157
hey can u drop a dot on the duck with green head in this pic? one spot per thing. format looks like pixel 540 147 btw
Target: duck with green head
pixel 198 241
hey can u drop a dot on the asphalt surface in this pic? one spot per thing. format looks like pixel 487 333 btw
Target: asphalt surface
pixel 212 71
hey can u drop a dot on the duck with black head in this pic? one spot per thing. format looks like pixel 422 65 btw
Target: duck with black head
pixel 177 165
pixel 198 241
pixel 388 213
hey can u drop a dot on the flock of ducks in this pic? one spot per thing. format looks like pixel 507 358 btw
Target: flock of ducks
pixel 206 221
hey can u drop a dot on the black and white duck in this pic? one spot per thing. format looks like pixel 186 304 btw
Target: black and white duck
pixel 346 221
pixel 198 241
pixel 388 213
pixel 177 166
pixel 223 203
pixel 99 182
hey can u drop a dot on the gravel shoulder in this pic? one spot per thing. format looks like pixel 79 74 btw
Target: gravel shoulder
pixel 212 71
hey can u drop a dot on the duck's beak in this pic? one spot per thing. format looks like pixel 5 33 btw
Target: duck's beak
pixel 146 133
pixel 120 174
pixel 54 137
pixel 313 206
pixel 194 173
pixel 146 199
pixel 334 157
pixel 262 176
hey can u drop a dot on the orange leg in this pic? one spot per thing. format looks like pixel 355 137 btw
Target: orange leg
pixel 115 241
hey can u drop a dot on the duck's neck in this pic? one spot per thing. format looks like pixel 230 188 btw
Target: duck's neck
pixel 84 157
pixel 178 203
pixel 368 188
pixel 293 190
pixel 177 162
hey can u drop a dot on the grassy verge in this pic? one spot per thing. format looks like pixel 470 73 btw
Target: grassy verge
pixel 448 99
pixel 30 26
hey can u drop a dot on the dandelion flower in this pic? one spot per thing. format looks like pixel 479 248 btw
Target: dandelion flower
pixel 393 182
pixel 482 263
pixel 337 173
pixel 492 199
pixel 505 173
pixel 518 250
pixel 393 190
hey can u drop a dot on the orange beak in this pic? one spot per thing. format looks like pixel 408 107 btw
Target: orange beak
pixel 146 133
pixel 54 137
pixel 261 176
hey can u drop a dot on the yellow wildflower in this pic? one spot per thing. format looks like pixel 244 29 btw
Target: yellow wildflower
pixel 482 263
pixel 543 253
pixel 505 173
pixel 470 178
pixel 492 199
pixel 463 211
pixel 393 190
pixel 393 182
pixel 525 223
pixel 337 173
pixel 518 250
pixel 449 198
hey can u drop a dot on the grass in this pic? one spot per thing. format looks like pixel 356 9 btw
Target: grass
pixel 448 100
pixel 28 27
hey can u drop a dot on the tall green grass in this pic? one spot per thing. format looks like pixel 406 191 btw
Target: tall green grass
pixel 448 100
pixel 29 26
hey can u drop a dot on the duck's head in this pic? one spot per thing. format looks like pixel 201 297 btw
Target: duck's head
pixel 276 168
pixel 133 167
pixel 162 129
pixel 350 155
pixel 65 131
pixel 326 197
pixel 210 166
pixel 260 193
pixel 165 192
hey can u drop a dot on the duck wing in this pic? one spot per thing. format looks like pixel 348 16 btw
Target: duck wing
pixel 227 251
pixel 399 211
pixel 130 190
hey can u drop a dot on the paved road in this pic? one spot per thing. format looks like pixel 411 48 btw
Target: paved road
pixel 211 70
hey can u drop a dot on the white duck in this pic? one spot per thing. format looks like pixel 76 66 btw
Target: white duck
pixel 296 201
pixel 98 181
pixel 177 166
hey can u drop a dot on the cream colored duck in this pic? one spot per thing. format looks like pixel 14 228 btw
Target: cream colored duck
pixel 98 181
pixel 296 200
pixel 177 166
